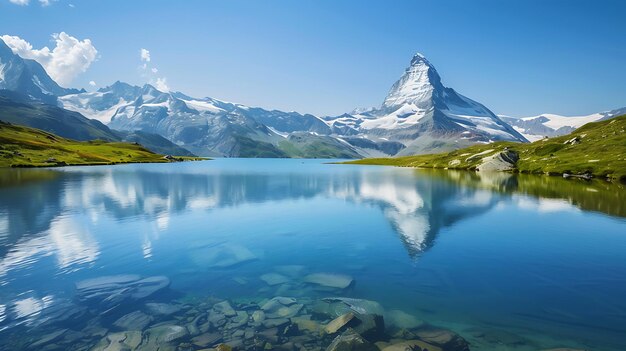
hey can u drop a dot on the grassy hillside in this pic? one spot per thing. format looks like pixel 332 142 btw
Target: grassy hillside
pixel 28 147
pixel 597 149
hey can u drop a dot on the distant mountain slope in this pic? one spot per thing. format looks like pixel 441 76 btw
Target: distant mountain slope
pixel 596 149
pixel 27 147
pixel 550 125
pixel 425 116
pixel 28 77
pixel 205 126
pixel 19 109
pixel 152 142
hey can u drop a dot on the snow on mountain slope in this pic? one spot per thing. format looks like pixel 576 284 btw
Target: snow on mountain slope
pixel 28 77
pixel 425 116
pixel 550 125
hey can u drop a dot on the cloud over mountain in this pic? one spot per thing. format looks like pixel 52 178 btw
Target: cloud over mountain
pixel 69 58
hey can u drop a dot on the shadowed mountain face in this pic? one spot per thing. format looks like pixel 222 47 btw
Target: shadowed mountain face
pixel 28 77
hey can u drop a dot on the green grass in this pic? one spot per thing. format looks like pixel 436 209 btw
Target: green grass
pixel 600 150
pixel 28 147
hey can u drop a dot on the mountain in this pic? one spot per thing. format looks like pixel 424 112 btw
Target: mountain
pixel 550 125
pixel 419 115
pixel 209 126
pixel 16 108
pixel 596 149
pixel 28 78
pixel 425 116
pixel 153 142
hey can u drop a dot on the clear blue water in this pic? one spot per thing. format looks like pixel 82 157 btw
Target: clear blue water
pixel 504 270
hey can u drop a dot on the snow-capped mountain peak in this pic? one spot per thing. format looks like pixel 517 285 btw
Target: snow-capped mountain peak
pixel 28 77
pixel 416 86
pixel 423 114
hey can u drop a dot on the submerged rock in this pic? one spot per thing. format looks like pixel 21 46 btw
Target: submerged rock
pixel 222 256
pixel 401 319
pixel 349 340
pixel 133 321
pixel 48 338
pixel 155 337
pixel 225 309
pixel 413 345
pixel 337 281
pixel 275 322
pixel 122 341
pixel 290 270
pixel 446 339
pixel 370 326
pixel 272 279
pixel 341 323
pixel 162 308
pixel 338 304
pixel 281 307
pixel 258 316
pixel 239 320
pixel 111 291
pixel 306 323
pixel 206 339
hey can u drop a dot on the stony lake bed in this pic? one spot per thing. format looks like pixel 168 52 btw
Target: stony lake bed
pixel 301 255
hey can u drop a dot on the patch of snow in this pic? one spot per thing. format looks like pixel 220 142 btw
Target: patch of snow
pixel 203 106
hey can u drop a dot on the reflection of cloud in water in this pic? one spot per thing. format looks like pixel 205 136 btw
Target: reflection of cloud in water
pixel 146 248
pixel 68 241
pixel 72 243
pixel 543 205
pixel 30 307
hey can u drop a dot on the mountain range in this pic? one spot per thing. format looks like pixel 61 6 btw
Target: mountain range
pixel 419 115
pixel 550 125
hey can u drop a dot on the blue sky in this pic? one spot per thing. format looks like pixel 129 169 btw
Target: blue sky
pixel 328 57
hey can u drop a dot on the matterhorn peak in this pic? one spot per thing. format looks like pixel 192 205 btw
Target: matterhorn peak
pixel 416 86
pixel 419 58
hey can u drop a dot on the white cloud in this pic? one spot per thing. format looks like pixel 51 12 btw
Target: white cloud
pixel 150 72
pixel 161 84
pixel 92 83
pixel 69 58
pixel 145 55
pixel 26 2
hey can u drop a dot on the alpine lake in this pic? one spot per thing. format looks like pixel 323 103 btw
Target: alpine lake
pixel 289 254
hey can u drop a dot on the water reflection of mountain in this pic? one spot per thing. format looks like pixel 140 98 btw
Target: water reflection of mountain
pixel 597 195
pixel 35 214
pixel 418 207
pixel 36 209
